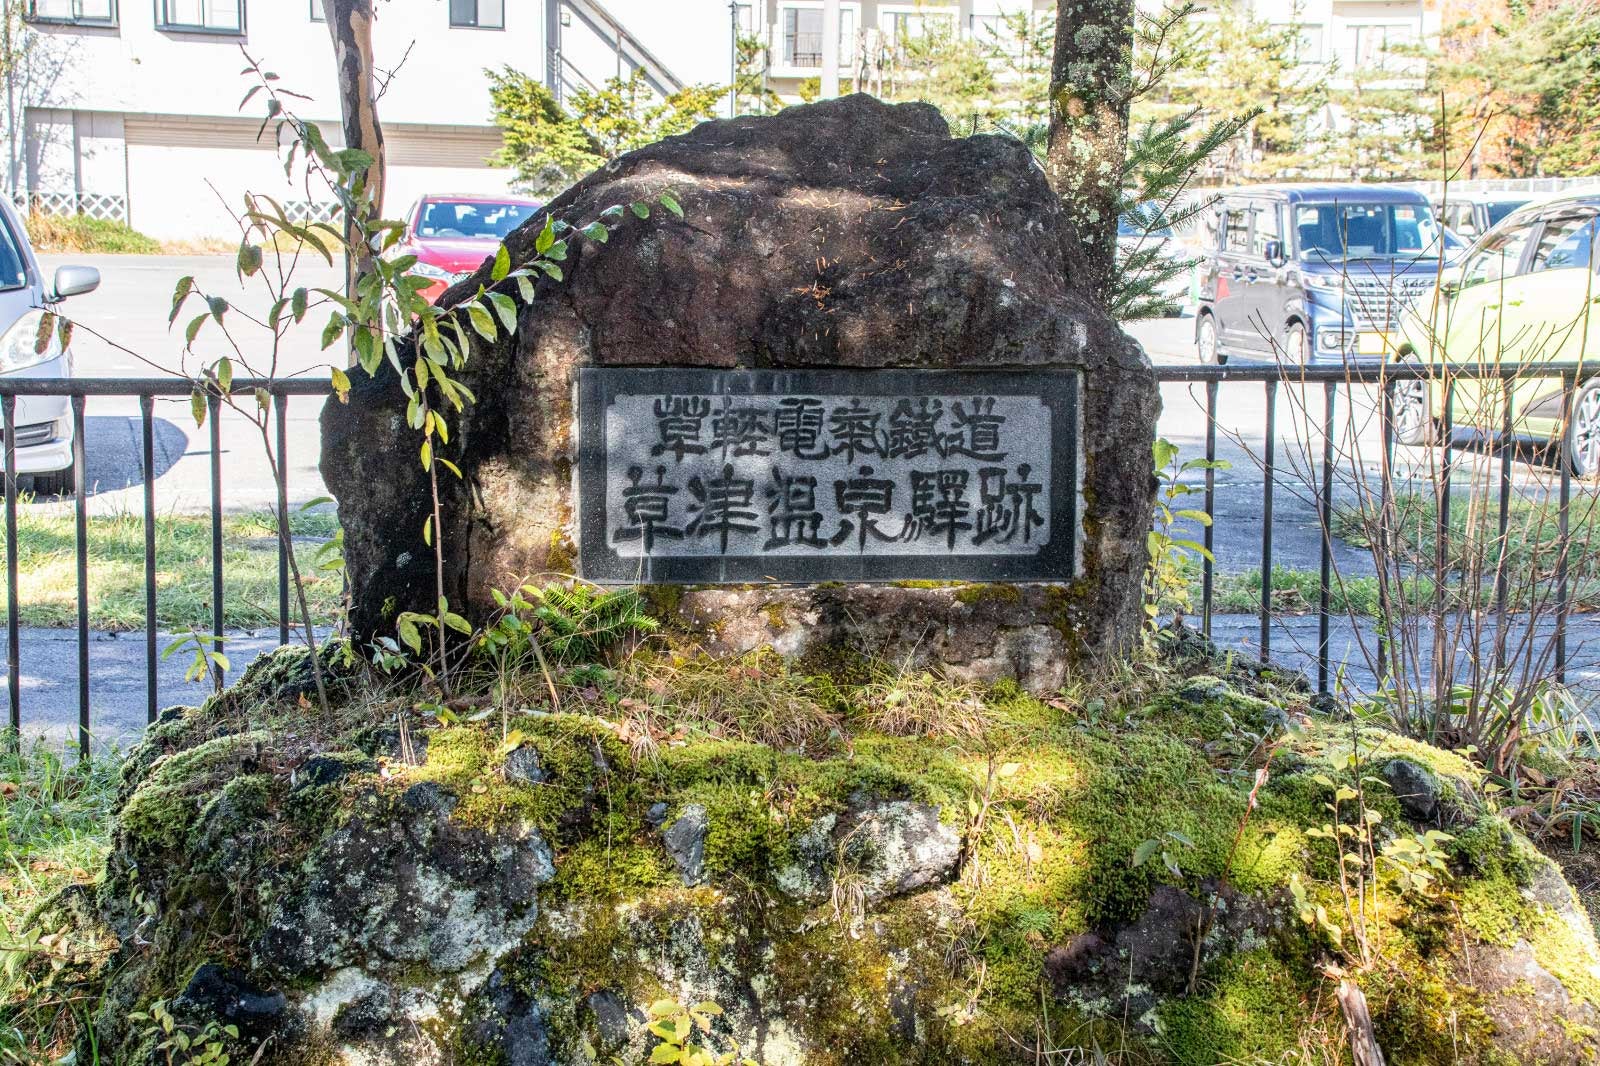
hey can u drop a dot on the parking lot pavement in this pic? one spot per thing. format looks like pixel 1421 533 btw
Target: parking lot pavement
pixel 123 333
pixel 118 699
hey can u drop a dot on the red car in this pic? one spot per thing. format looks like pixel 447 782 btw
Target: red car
pixel 451 236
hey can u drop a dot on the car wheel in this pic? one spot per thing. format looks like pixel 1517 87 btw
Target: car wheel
pixel 58 483
pixel 1205 339
pixel 1296 346
pixel 1583 433
pixel 1411 413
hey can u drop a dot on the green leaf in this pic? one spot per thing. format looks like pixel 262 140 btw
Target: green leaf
pixel 365 345
pixel 331 331
pixel 1144 851
pixel 670 202
pixel 502 264
pixel 406 627
pixel 482 321
pixel 598 232
pixel 525 288
pixel 553 270
pixel 218 306
pixel 197 407
pixel 427 454
pixel 192 330
pixel 666 1052
pixel 547 236
pixel 275 315
pixel 297 303
pixel 640 209
pixel 225 373
pixel 506 308
pixel 457 623
pixel 249 260
pixel 180 293
pixel 352 160
pixel 341 385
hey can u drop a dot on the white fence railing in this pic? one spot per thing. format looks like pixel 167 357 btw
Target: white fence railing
pixel 107 206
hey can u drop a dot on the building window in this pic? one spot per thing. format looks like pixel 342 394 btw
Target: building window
pixel 744 16
pixel 88 12
pixel 203 16
pixel 317 12
pixel 478 14
pixel 1374 45
pixel 802 36
pixel 909 25
pixel 1306 47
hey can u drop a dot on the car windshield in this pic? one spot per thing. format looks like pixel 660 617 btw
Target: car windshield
pixel 1501 208
pixel 471 219
pixel 13 266
pixel 1338 232
pixel 1128 226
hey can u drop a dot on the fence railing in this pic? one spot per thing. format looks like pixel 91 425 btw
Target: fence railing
pixel 109 207
pixel 1269 378
pixel 78 391
pixel 1331 379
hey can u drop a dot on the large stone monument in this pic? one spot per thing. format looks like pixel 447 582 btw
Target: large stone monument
pixel 854 400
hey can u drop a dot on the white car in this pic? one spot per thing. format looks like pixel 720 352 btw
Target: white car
pixel 29 347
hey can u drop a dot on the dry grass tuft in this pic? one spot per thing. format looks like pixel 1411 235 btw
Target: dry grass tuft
pixel 755 698
pixel 908 703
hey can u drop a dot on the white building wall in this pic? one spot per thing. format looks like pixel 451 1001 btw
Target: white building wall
pixel 152 115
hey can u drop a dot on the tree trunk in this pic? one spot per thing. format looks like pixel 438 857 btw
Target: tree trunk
pixel 1364 1047
pixel 1090 89
pixel 350 26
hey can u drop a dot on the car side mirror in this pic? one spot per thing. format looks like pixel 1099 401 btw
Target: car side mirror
pixel 1450 280
pixel 1274 252
pixel 74 281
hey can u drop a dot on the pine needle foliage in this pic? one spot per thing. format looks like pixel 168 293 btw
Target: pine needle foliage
pixel 1165 155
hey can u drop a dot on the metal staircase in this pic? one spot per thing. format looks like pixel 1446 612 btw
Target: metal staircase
pixel 562 76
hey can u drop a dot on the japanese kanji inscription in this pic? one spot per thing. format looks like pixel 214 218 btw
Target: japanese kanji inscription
pixel 707 476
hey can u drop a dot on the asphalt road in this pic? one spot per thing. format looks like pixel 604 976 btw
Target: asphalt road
pixel 124 333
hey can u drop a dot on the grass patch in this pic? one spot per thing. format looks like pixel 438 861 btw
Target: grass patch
pixel 89 236
pixel 47 569
pixel 54 832
pixel 1530 549
pixel 1294 592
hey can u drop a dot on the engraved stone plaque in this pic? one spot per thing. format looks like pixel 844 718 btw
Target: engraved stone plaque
pixel 718 476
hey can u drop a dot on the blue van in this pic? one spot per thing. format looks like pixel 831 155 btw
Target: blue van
pixel 1305 274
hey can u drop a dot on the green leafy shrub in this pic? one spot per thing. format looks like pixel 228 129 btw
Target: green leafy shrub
pixel 80 233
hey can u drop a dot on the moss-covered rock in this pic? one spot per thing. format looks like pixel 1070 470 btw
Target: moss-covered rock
pixel 1153 871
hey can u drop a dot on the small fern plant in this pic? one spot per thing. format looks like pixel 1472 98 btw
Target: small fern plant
pixel 579 623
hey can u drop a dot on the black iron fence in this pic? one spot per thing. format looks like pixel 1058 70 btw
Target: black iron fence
pixel 1271 379
pixel 1387 378
pixel 145 390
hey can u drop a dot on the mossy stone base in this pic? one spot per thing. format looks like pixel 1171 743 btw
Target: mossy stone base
pixel 892 899
pixel 975 633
